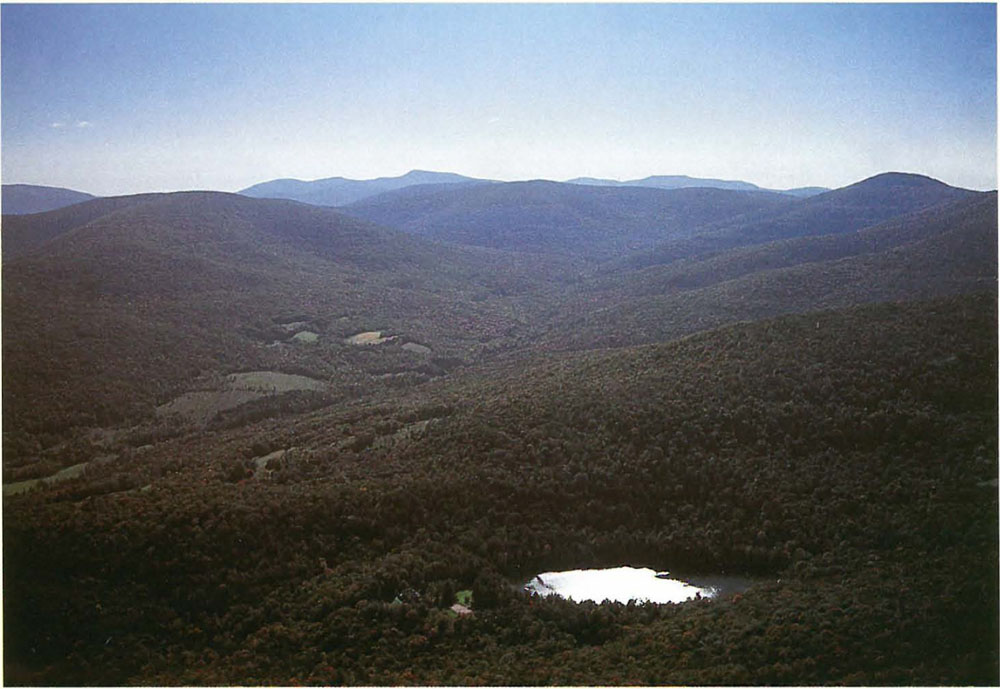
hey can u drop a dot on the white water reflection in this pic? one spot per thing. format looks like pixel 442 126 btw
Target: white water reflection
pixel 620 584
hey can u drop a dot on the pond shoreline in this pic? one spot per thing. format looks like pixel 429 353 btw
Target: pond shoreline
pixel 622 584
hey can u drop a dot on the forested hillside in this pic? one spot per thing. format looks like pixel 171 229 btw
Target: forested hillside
pixel 549 217
pixel 256 441
pixel 843 460
pixel 133 299
pixel 851 208
pixel 951 249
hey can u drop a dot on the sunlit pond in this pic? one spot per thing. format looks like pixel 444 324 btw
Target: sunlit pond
pixel 623 584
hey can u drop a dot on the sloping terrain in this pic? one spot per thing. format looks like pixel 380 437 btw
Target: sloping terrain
pixel 979 210
pixel 23 234
pixel 550 217
pixel 948 250
pixel 120 313
pixel 845 468
pixel 18 199
pixel 338 191
pixel 848 209
pixel 254 441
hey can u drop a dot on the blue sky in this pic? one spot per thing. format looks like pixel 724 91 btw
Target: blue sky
pixel 116 99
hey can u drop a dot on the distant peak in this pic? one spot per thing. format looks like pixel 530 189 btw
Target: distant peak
pixel 900 179
pixel 431 174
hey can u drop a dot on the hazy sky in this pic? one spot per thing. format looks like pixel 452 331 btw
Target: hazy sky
pixel 116 99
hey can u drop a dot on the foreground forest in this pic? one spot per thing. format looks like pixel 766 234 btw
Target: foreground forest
pixel 814 412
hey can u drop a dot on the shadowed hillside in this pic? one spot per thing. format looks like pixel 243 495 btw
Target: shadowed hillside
pixel 255 441
pixel 132 304
pixel 843 467
pixel 23 234
pixel 848 209
pixel 979 210
pixel 935 253
pixel 539 216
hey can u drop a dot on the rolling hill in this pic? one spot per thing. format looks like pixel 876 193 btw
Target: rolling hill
pixel 257 441
pixel 171 288
pixel 20 199
pixel 840 467
pixel 978 210
pixel 146 293
pixel 23 234
pixel 339 191
pixel 847 209
pixel 944 251
pixel 552 217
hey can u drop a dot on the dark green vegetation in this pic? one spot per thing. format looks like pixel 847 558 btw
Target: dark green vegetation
pixel 816 410
pixel 127 310
pixel 19 199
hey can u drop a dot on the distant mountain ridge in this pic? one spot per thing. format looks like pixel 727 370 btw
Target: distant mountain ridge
pixel 339 191
pixel 685 182
pixel 668 182
pixel 847 209
pixel 594 222
pixel 22 199
pixel 940 251
pixel 342 191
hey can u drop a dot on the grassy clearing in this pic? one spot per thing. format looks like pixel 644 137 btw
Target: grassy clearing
pixel 369 337
pixel 306 337
pixel 61 475
pixel 272 382
pixel 416 348
pixel 237 389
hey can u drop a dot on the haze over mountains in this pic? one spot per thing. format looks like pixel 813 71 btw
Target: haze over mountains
pixel 524 264
pixel 599 222
pixel 291 434
pixel 338 191
pixel 847 209
pixel 19 199
pixel 684 182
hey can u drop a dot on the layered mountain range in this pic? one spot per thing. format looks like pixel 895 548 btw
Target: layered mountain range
pixel 250 438
pixel 21 199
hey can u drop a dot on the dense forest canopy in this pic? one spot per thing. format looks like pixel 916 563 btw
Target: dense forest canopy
pixel 256 441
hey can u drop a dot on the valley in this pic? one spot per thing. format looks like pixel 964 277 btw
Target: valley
pixel 253 440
